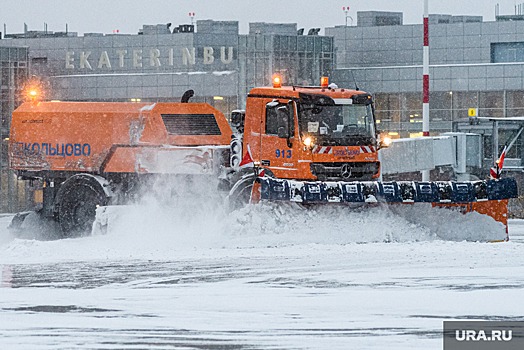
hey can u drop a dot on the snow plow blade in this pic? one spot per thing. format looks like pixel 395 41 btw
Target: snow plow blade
pixel 442 192
pixel 487 197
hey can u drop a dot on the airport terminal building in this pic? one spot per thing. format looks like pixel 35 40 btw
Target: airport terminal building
pixel 160 63
pixel 473 65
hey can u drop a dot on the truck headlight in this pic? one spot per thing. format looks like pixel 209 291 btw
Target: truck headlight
pixel 386 142
pixel 308 141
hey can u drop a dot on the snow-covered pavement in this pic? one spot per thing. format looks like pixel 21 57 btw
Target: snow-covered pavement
pixel 273 280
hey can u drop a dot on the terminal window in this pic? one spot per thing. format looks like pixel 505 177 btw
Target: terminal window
pixel 388 21
pixel 507 52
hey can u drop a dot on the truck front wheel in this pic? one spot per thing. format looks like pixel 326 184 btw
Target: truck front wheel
pixel 77 200
pixel 240 193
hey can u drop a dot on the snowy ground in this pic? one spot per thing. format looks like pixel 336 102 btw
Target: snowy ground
pixel 263 277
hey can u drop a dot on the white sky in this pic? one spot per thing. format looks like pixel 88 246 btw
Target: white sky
pixel 129 15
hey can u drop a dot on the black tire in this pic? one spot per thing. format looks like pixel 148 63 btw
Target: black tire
pixel 240 194
pixel 79 197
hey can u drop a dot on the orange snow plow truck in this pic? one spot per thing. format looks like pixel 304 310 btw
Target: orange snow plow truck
pixel 308 145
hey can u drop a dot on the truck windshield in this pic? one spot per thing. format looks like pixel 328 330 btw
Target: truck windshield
pixel 343 124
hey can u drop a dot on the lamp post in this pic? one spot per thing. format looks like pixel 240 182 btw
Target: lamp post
pixel 451 109
pixel 425 82
pixel 346 11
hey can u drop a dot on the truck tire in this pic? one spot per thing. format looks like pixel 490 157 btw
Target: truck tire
pixel 240 193
pixel 77 200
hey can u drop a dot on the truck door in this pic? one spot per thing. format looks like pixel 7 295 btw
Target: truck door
pixel 278 139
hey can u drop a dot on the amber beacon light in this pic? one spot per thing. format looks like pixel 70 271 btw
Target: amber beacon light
pixel 33 93
pixel 324 82
pixel 277 81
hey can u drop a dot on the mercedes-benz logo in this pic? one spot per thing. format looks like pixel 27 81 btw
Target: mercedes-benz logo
pixel 345 171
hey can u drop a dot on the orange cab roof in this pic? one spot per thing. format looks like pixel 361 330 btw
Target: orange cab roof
pixel 294 91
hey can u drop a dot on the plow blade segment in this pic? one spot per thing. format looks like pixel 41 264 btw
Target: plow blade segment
pixel 389 192
pixel 502 189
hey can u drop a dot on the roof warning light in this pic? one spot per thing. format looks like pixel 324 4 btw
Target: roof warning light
pixel 324 82
pixel 277 81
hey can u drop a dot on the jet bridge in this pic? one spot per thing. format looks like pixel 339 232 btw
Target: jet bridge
pixel 462 151
pixel 497 133
pixel 476 147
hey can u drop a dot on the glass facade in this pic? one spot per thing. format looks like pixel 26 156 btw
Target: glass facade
pixel 299 59
pixel 302 60
pixel 402 112
pixel 220 65
pixel 13 74
pixel 507 52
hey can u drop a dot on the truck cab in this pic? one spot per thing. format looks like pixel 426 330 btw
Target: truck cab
pixel 312 133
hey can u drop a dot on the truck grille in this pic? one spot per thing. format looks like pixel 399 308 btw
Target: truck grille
pixel 191 124
pixel 345 171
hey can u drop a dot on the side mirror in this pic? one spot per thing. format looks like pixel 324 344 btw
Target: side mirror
pixel 237 119
pixel 282 132
pixel 290 122
pixel 283 122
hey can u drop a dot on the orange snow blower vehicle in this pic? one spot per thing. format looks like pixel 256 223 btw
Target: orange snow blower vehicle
pixel 91 154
